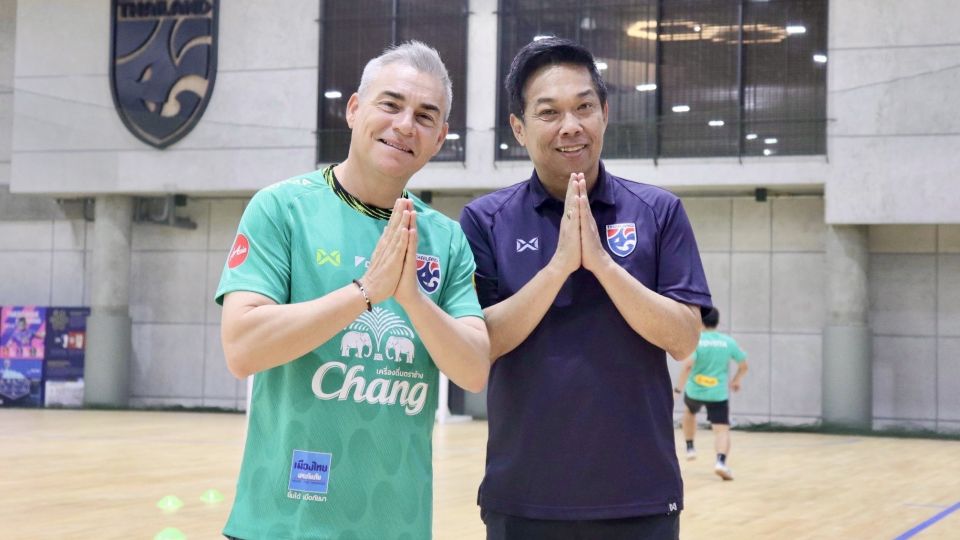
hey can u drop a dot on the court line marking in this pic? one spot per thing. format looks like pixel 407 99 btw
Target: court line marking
pixel 913 532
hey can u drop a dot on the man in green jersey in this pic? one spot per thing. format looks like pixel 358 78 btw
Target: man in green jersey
pixel 344 294
pixel 703 381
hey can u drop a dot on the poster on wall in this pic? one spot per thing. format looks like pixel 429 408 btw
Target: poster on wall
pixel 22 336
pixel 66 341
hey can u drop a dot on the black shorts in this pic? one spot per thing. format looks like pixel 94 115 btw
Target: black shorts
pixel 655 527
pixel 718 412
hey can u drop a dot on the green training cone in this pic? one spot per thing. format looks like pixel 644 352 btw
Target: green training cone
pixel 170 533
pixel 170 503
pixel 211 496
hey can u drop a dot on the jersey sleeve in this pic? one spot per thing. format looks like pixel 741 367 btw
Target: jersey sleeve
pixel 487 283
pixel 736 352
pixel 265 268
pixel 680 273
pixel 459 297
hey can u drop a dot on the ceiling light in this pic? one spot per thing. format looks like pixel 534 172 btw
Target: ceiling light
pixel 751 136
pixel 453 136
pixel 646 87
pixel 541 36
pixel 504 146
pixel 796 29
pixel 715 123
pixel 767 152
pixel 600 65
pixel 770 140
pixel 697 28
pixel 332 94
pixel 820 58
pixel 681 108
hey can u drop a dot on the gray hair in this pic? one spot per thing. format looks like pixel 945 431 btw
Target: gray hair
pixel 417 55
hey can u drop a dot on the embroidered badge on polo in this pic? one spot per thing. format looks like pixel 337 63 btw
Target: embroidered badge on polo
pixel 428 273
pixel 239 251
pixel 622 238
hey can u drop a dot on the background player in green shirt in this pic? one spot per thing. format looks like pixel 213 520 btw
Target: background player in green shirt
pixel 344 294
pixel 703 381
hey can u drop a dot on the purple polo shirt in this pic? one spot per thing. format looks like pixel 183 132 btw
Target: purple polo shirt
pixel 580 414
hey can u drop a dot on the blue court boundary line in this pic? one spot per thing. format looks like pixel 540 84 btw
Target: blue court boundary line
pixel 912 532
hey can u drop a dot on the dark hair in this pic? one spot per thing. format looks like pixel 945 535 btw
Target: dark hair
pixel 543 52
pixel 711 318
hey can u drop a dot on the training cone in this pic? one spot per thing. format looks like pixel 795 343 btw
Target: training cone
pixel 170 503
pixel 211 496
pixel 170 533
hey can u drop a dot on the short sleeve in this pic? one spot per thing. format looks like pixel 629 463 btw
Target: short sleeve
pixel 680 273
pixel 459 298
pixel 477 235
pixel 259 260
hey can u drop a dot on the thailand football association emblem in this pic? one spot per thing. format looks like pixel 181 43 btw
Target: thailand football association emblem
pixel 428 273
pixel 163 65
pixel 622 238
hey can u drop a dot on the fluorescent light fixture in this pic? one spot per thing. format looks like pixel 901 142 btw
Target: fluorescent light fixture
pixel 541 36
pixel 751 136
pixel 715 123
pixel 681 108
pixel 453 136
pixel 600 65
pixel 504 146
pixel 770 140
pixel 820 58
pixel 796 29
pixel 332 94
pixel 646 87
pixel 767 152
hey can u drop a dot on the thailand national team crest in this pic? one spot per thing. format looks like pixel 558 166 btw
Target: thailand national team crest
pixel 622 238
pixel 163 65
pixel 428 273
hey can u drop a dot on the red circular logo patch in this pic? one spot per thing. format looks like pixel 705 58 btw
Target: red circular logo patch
pixel 238 253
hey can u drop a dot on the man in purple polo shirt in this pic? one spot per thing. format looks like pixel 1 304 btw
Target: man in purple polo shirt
pixel 586 279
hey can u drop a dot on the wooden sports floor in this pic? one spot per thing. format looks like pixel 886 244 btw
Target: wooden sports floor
pixel 99 475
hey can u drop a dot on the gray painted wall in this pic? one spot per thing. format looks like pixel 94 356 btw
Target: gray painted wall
pixel 894 82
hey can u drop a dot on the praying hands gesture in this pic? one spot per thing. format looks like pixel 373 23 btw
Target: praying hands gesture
pixel 579 241
pixel 396 251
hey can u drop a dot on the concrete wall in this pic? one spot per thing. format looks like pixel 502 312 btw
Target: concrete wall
pixel 765 267
pixel 257 128
pixel 8 33
pixel 915 316
pixel 893 84
pixel 177 357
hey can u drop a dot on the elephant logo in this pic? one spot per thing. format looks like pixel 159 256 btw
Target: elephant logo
pixel 400 346
pixel 356 341
pixel 378 326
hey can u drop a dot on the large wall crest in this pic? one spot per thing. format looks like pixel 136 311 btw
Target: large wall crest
pixel 163 65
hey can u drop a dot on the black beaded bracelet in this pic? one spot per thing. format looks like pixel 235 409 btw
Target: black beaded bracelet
pixel 363 291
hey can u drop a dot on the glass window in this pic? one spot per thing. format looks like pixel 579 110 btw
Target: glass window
pixel 351 33
pixel 689 78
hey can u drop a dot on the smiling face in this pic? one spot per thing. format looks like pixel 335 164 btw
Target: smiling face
pixel 398 123
pixel 563 124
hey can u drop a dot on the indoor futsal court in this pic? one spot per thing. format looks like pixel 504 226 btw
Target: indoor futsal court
pixel 154 475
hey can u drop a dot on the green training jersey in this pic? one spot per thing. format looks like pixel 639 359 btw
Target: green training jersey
pixel 711 364
pixel 339 440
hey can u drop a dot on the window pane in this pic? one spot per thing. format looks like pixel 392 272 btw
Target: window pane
pixel 784 86
pixel 625 62
pixel 717 96
pixel 354 32
pixel 699 78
